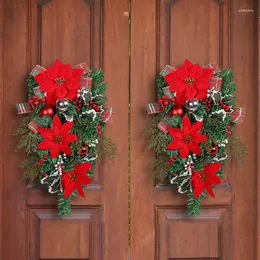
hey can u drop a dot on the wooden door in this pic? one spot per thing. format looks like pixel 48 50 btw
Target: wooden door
pixel 166 32
pixel 36 32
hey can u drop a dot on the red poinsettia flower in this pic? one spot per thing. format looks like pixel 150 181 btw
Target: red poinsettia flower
pixel 205 178
pixel 75 178
pixel 187 138
pixel 59 81
pixel 189 81
pixel 57 138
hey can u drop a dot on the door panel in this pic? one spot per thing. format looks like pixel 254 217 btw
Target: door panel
pixel 37 32
pixel 205 25
pixel 203 31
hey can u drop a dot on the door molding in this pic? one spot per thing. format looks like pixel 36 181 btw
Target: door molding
pixel 1 122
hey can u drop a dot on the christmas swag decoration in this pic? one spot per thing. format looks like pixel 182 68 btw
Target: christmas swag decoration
pixel 62 133
pixel 192 133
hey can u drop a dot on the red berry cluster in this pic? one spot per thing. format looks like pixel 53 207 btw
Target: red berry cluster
pixel 208 103
pixel 34 100
pixel 172 159
pixel 78 104
pixel 165 100
pixel 224 106
pixel 94 106
pixel 228 130
pixel 99 129
pixel 42 159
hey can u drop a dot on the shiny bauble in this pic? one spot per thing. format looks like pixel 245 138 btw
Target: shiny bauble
pixel 177 110
pixel 192 104
pixel 62 104
pixel 213 150
pixel 47 110
pixel 83 150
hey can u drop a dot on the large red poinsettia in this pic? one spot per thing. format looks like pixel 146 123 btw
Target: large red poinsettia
pixel 205 178
pixel 187 138
pixel 57 138
pixel 59 81
pixel 75 179
pixel 189 81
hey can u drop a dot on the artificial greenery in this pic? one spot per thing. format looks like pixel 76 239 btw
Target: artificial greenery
pixel 215 124
pixel 64 204
pixel 85 127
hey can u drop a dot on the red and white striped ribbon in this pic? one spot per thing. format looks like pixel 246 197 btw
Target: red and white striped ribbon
pixel 154 108
pixel 238 115
pixel 24 108
pixel 108 116
pixel 164 124
pixel 36 70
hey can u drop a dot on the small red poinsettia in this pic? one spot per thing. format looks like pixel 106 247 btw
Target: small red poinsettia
pixel 76 178
pixel 189 81
pixel 57 138
pixel 187 138
pixel 59 81
pixel 205 178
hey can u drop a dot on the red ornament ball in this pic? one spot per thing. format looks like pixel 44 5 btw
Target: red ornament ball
pixel 83 150
pixel 213 150
pixel 177 110
pixel 47 110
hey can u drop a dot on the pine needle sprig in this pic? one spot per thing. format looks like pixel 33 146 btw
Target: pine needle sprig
pixel 31 169
pixel 29 142
pixel 64 203
pixel 236 147
pixel 161 169
pixel 106 148
pixel 157 140
pixel 194 204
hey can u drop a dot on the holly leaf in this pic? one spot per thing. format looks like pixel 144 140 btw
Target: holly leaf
pixel 53 181
pixel 99 100
pixel 220 157
pixel 183 181
pixel 220 114
pixel 92 156
pixel 70 112
pixel 87 96
pixel 90 112
pixel 228 100
pixel 197 118
pixel 216 96
pixel 199 113
pixel 184 186
pixel 69 118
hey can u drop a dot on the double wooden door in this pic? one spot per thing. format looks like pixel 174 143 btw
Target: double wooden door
pixel 126 215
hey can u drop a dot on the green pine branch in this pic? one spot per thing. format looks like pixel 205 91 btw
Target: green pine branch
pixel 194 204
pixel 64 204
pixel 106 147
pixel 31 83
pixel 31 169
pixel 98 84
pixel 161 169
pixel 236 147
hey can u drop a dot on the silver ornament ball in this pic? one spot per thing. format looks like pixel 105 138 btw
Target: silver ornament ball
pixel 192 104
pixel 62 104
